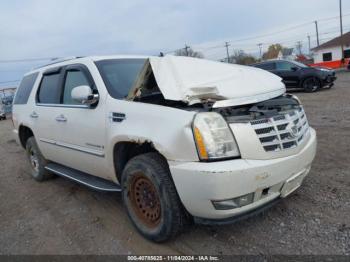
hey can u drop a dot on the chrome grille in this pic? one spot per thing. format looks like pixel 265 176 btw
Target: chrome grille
pixel 283 131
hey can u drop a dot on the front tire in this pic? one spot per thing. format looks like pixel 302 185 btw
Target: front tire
pixel 311 84
pixel 151 199
pixel 37 161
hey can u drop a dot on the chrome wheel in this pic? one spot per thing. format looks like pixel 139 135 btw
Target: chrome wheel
pixel 311 85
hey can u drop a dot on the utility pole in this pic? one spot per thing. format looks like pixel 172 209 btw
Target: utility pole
pixel 186 49
pixel 299 46
pixel 318 40
pixel 341 32
pixel 228 55
pixel 309 40
pixel 260 50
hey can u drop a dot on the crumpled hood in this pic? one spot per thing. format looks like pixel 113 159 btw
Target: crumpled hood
pixel 190 79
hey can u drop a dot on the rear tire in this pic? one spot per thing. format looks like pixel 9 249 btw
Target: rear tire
pixel 311 84
pixel 151 199
pixel 37 161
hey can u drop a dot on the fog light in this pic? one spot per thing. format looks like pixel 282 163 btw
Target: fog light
pixel 245 200
pixel 234 203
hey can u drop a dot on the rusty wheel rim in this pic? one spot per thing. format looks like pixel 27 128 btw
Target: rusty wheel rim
pixel 145 200
pixel 34 160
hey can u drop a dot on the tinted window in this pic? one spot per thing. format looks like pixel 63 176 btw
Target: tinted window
pixel 25 88
pixel 120 75
pixel 299 64
pixel 327 57
pixel 50 92
pixel 347 53
pixel 282 65
pixel 266 66
pixel 73 79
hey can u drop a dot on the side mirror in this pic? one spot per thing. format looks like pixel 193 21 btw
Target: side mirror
pixel 84 95
pixel 294 68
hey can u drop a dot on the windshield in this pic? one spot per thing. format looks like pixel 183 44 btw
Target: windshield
pixel 119 75
pixel 300 64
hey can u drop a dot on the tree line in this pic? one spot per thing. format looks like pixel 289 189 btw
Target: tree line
pixel 239 56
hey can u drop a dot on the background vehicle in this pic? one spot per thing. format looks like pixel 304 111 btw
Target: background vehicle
pixel 298 75
pixel 178 137
pixel 2 115
pixel 2 110
pixel 5 105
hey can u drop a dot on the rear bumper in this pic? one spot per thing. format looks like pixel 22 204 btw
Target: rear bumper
pixel 199 183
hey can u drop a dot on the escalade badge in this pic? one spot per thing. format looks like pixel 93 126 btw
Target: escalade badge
pixel 294 131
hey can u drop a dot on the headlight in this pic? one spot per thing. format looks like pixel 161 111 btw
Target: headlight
pixel 296 98
pixel 213 137
pixel 324 70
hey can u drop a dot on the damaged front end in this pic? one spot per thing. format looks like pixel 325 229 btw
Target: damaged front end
pixel 273 128
pixel 265 122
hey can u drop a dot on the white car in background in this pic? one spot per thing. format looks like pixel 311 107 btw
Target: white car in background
pixel 182 139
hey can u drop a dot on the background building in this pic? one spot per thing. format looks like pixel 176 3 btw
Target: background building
pixel 330 53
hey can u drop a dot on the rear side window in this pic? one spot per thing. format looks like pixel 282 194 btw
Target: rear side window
pixel 282 65
pixel 25 89
pixel 50 91
pixel 267 66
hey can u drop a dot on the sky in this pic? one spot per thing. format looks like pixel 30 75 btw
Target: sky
pixel 33 29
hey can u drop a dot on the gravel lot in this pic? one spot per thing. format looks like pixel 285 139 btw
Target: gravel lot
pixel 61 217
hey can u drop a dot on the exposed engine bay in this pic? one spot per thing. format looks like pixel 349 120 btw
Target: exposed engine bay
pixel 264 109
pixel 146 91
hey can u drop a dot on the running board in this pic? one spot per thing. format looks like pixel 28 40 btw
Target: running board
pixel 93 182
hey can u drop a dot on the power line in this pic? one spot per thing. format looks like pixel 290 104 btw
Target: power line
pixel 285 41
pixel 12 81
pixel 333 17
pixel 27 60
pixel 13 71
pixel 280 31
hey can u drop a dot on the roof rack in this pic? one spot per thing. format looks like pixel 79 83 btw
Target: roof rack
pixel 59 60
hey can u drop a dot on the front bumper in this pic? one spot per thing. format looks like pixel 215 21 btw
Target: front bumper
pixel 199 183
pixel 329 80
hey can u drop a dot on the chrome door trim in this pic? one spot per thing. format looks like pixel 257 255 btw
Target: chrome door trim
pixel 63 105
pixel 74 147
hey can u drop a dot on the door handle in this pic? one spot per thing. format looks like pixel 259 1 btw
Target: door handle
pixel 34 115
pixel 61 118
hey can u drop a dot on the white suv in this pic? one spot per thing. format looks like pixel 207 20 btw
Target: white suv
pixel 183 139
